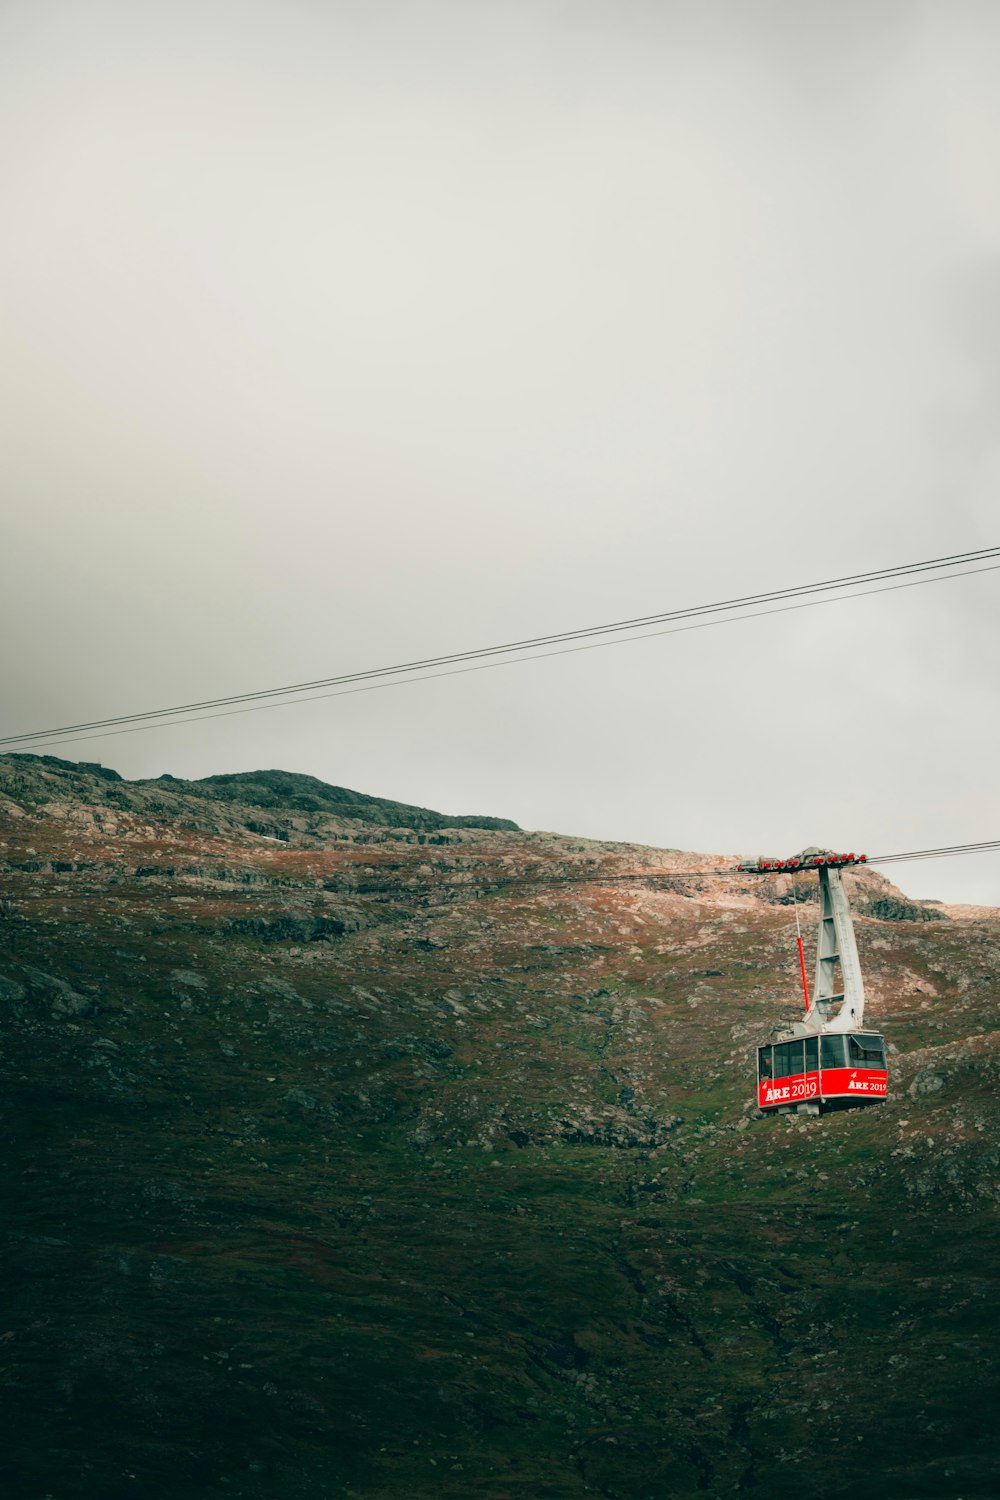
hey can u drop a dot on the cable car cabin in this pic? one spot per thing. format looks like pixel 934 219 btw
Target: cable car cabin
pixel 833 1069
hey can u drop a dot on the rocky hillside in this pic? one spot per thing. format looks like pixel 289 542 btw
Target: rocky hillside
pixel 353 1150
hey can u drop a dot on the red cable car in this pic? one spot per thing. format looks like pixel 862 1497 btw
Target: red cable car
pixel 829 1059
pixel 835 1069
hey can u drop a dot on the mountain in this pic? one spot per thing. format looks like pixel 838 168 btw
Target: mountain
pixel 352 1150
pixel 286 792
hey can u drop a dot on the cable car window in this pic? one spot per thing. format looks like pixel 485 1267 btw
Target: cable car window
pixel 868 1050
pixel 812 1053
pixel 834 1052
pixel 765 1063
pixel 787 1059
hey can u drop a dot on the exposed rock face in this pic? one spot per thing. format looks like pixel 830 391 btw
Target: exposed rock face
pixel 60 996
pixel 349 1153
pixel 11 993
pixel 614 1127
pixel 892 909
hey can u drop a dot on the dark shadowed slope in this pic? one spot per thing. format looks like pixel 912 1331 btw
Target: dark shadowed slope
pixel 289 790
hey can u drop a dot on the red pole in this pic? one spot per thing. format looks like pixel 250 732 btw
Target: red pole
pixel 802 966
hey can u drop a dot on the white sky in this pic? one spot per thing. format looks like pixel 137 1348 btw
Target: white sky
pixel 337 334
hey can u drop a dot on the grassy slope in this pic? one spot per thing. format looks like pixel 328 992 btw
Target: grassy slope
pixel 341 1218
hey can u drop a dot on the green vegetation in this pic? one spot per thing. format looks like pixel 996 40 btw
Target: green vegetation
pixel 465 1195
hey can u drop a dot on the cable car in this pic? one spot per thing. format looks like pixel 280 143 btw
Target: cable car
pixel 829 1059
pixel 822 1068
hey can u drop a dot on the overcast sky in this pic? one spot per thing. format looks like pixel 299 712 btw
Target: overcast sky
pixel 335 334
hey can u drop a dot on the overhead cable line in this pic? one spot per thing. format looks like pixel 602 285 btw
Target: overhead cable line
pixel 981 848
pixel 480 658
pixel 508 661
pixel 617 877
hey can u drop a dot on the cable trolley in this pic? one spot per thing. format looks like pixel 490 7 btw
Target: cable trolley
pixel 828 1059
